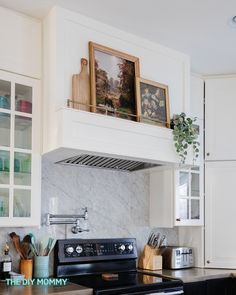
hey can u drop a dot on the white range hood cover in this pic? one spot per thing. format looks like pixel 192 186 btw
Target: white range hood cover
pixel 79 132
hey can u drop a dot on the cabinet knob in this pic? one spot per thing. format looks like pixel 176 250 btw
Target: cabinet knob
pixel 208 154
pixel 208 262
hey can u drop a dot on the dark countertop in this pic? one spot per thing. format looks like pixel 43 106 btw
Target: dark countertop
pixel 195 274
pixel 70 289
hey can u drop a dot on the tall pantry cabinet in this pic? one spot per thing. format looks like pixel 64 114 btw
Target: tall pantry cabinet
pixel 220 172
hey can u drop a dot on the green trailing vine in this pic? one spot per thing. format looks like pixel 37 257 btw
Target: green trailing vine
pixel 185 135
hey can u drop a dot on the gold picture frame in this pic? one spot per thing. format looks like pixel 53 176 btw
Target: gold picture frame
pixel 154 102
pixel 113 82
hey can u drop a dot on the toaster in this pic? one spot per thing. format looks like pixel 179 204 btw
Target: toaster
pixel 177 257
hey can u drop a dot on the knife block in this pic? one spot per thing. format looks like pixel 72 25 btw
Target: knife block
pixel 150 259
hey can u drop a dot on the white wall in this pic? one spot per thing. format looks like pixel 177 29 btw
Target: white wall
pixel 193 237
pixel 21 46
pixel 66 40
pixel 197 97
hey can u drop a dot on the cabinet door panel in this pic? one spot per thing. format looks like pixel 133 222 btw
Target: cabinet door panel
pixel 220 239
pixel 23 132
pixel 4 202
pixel 220 105
pixel 22 203
pixel 20 169
pixel 5 94
pixel 195 209
pixel 189 197
pixel 5 125
pixel 4 167
pixel 183 188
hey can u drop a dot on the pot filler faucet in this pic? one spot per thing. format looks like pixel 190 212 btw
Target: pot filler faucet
pixel 74 219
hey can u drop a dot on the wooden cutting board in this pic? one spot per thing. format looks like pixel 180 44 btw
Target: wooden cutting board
pixel 81 88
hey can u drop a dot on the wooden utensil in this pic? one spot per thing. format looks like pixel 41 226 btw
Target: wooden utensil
pixel 16 241
pixel 25 246
pixel 25 249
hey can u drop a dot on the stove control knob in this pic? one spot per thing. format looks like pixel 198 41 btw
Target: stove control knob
pixel 129 247
pixel 69 250
pixel 79 249
pixel 121 248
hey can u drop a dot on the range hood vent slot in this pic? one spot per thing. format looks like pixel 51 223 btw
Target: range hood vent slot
pixel 92 161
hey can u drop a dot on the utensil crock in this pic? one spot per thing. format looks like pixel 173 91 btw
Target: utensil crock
pixel 26 268
pixel 41 266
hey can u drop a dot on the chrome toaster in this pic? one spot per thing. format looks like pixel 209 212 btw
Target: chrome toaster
pixel 177 257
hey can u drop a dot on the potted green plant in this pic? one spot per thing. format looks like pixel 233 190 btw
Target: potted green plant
pixel 185 134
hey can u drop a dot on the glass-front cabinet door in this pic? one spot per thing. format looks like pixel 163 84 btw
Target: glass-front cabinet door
pixel 189 196
pixel 19 150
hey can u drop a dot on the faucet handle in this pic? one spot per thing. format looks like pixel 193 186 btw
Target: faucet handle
pixel 77 229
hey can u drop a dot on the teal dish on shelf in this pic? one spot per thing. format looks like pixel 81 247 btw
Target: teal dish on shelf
pixel 4 102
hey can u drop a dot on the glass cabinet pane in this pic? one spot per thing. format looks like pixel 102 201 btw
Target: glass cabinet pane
pixel 22 169
pixel 195 209
pixel 183 183
pixel 4 202
pixel 195 185
pixel 23 96
pixel 5 125
pixel 23 132
pixel 5 94
pixel 21 203
pixel 4 167
pixel 183 209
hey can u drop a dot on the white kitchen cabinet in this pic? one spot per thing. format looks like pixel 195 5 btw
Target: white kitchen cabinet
pixel 220 105
pixel 220 239
pixel 189 196
pixel 21 44
pixel 20 137
pixel 161 212
pixel 176 197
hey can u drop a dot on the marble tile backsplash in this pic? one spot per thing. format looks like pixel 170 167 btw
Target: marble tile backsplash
pixel 118 204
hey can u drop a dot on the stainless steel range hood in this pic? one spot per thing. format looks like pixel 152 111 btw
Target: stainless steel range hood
pixel 92 161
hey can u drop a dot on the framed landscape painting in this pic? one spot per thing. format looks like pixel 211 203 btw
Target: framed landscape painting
pixel 154 102
pixel 113 89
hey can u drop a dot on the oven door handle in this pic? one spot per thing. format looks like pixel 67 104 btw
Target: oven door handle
pixel 175 292
pixel 169 293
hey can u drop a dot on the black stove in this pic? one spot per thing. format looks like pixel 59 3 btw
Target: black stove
pixel 108 266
